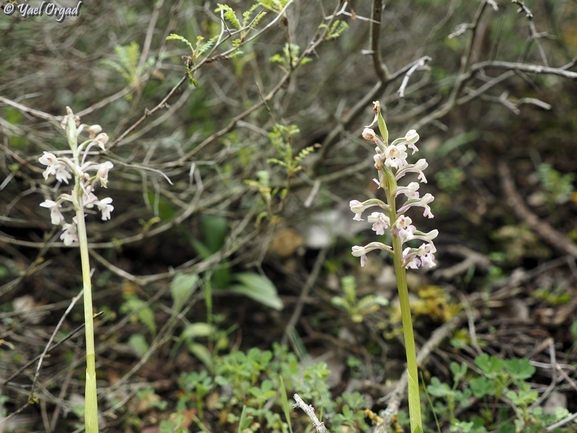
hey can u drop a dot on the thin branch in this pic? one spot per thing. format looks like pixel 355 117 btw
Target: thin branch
pixel 524 67
pixel 312 278
pixel 310 411
pixel 384 78
pixel 420 64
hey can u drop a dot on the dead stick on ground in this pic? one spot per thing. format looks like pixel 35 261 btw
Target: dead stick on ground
pixel 545 231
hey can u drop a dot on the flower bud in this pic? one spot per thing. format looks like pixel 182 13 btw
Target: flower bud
pixel 369 134
pixel 93 130
pixel 101 140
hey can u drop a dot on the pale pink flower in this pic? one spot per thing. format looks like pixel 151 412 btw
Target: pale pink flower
pixel 380 221
pixel 404 228
pixel 396 156
pixel 357 208
pixel 105 207
pixel 70 234
pixel 102 173
pixel 55 215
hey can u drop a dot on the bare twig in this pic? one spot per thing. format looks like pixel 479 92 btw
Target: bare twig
pixel 310 411
pixel 420 64
pixel 304 293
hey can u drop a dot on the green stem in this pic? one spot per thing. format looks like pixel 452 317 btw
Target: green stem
pixel 91 399
pixel 401 273
pixel 410 348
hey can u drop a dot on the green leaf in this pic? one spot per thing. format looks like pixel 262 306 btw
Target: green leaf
pixel 490 365
pixel 482 387
pixel 174 36
pixel 439 389
pixel 143 312
pixel 244 421
pixel 459 370
pixel 181 288
pixel 383 128
pixel 259 288
pixel 138 343
pixel 195 330
pixel 229 15
pixel 214 229
pixel 285 404
pixel 201 352
pixel 520 369
pixel 163 208
pixel 146 316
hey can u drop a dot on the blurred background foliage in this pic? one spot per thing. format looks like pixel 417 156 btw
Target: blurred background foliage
pixel 234 163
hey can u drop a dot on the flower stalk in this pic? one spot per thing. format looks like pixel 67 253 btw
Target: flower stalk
pixel 391 164
pixel 81 197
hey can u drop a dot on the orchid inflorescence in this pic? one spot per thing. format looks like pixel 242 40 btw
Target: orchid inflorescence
pixel 391 164
pixel 64 168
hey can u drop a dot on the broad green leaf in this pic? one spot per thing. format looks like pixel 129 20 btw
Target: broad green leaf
pixel 214 229
pixel 201 352
pixel 146 316
pixel 181 288
pixel 259 288
pixel 138 343
pixel 199 329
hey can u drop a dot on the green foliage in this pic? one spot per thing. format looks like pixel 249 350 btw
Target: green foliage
pixel 290 58
pixel 250 389
pixel 336 29
pixel 456 142
pixel 197 50
pixel 126 63
pixel 258 288
pixel 558 187
pixel 241 29
pixel 281 138
pixel 518 242
pixel 352 411
pixel 140 311
pixel 500 383
pixel 161 207
pixel 286 408
pixel 262 185
pixel 357 309
pixel 181 289
pixel 248 22
pixel 274 5
pixel 451 179
pixel 553 296
pixel 213 231
pixel 189 335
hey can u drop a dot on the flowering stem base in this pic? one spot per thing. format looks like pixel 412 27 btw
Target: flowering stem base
pixel 410 349
pixel 91 398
